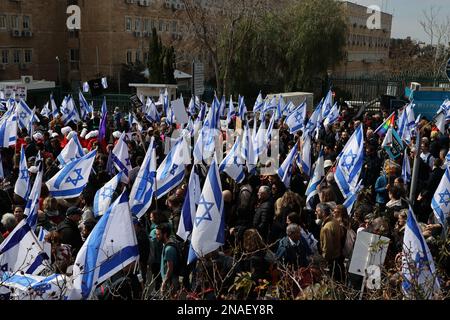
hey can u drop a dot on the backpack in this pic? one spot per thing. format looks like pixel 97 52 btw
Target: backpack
pixel 182 248
pixel 349 243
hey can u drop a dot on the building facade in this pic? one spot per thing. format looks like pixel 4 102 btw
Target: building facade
pixel 367 50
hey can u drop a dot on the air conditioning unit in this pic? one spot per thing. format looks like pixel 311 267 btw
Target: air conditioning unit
pixel 27 79
pixel 415 86
pixel 16 33
pixel 2 66
pixel 138 34
pixel 27 33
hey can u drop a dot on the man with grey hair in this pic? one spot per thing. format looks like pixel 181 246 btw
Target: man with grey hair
pixel 9 222
pixel 293 250
pixel 331 239
pixel 263 218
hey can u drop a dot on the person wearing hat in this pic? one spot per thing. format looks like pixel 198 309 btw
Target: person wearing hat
pixel 65 132
pixel 68 229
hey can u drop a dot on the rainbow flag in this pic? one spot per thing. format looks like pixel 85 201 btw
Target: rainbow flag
pixel 384 127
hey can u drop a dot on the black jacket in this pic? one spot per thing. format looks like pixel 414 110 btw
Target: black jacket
pixel 293 255
pixel 432 183
pixel 263 218
pixel 70 234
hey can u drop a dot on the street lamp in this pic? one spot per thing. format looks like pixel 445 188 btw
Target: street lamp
pixel 59 70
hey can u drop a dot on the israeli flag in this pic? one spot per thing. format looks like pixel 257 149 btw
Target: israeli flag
pixel 248 152
pixel 30 287
pixel 69 111
pixel 231 111
pixel 8 129
pixel 24 114
pixel 190 204
pixel 350 163
pixel 406 169
pixel 46 110
pixel 22 183
pixel 21 252
pixel 280 107
pixel 332 116
pixel 420 279
pixel 111 246
pixel 268 136
pixel 32 206
pixel 441 199
pixel 151 112
pixel 85 107
pixel 71 151
pixel 259 103
pixel 296 120
pixel 208 232
pixel 242 108
pixel 132 120
pixel 171 171
pixel 192 107
pixel 285 171
pixel 104 83
pixel 271 105
pixel 312 189
pixel 206 143
pixel 223 106
pixel 70 181
pixel 327 105
pixel 260 139
pixel 350 201
pixel 406 123
pixel 314 120
pixel 141 195
pixel 55 111
pixel 2 174
pixel 104 195
pixel 441 122
pixel 305 155
pixel 121 157
pixel 232 164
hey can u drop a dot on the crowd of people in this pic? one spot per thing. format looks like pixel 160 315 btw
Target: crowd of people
pixel 269 231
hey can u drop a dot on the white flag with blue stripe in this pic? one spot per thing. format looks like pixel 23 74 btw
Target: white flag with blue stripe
pixel 85 107
pixel 46 112
pixel 327 105
pixel 285 170
pixel 70 181
pixel 32 206
pixel 406 169
pixel 441 199
pixel 21 252
pixel 8 129
pixel 231 111
pixel 189 208
pixel 55 111
pixel 121 158
pixel 151 112
pixel 351 199
pixel 350 163
pixel 313 185
pixel 69 111
pixel 71 151
pixel 24 114
pixel 171 171
pixel 248 152
pixel 332 116
pixel 242 108
pixel 314 120
pixel 208 232
pixel 21 187
pixel 420 279
pixel 232 164
pixel 141 195
pixel 104 195
pixel 259 103
pixel 296 120
pixel 30 287
pixel 304 158
pixel 110 247
pixel 406 123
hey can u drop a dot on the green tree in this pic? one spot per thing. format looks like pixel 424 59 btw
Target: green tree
pixel 154 63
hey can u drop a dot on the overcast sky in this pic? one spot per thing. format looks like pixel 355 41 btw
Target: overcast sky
pixel 407 14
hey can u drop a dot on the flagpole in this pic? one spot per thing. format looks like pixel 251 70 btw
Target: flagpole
pixel 415 173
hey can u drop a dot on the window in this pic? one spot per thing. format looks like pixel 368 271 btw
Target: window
pixel 167 26
pixel 147 25
pixel 129 59
pixel 16 56
pixel 26 22
pixel 5 56
pixel 138 55
pixel 137 24
pixel 14 22
pixel 160 25
pixel 128 24
pixel 153 24
pixel 146 55
pixel 28 56
pixel 73 34
pixel 2 21
pixel 74 55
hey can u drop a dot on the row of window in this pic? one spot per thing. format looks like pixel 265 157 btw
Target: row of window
pixel 15 22
pixel 360 40
pixel 147 24
pixel 137 56
pixel 16 56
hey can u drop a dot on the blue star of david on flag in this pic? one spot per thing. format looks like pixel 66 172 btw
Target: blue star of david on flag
pixel 445 197
pixel 24 174
pixel 107 193
pixel 78 178
pixel 127 160
pixel 23 115
pixel 346 164
pixel 207 215
pixel 298 117
pixel 174 168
